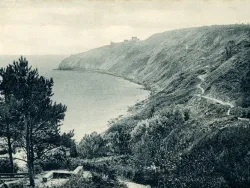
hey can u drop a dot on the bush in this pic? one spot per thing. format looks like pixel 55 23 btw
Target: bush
pixel 221 159
pixel 146 176
pixel 53 162
pixel 102 176
pixel 38 168
pixel 73 163
pixel 66 140
pixel 92 146
pixel 5 166
pixel 95 181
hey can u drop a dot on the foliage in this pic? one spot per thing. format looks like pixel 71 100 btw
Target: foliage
pixel 119 141
pixel 151 136
pixel 67 141
pixel 245 85
pixel 5 166
pixel 172 149
pixel 95 181
pixel 38 169
pixel 118 136
pixel 101 177
pixel 56 159
pixel 73 163
pixel 9 123
pixel 166 144
pixel 39 117
pixel 92 146
pixel 221 158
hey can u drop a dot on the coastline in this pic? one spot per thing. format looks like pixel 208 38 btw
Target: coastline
pixel 130 109
pixel 145 87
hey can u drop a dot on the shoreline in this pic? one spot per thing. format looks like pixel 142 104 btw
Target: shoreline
pixel 128 112
pixel 145 87
pixel 129 109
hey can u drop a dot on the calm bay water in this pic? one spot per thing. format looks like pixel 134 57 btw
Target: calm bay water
pixel 92 99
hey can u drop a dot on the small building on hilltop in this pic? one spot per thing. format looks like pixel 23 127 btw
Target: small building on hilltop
pixel 135 39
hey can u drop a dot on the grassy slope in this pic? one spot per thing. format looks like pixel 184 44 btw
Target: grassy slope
pixel 170 64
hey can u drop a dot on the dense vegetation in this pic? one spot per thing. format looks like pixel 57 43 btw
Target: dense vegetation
pixel 100 177
pixel 28 117
pixel 29 120
pixel 193 131
pixel 181 136
pixel 5 166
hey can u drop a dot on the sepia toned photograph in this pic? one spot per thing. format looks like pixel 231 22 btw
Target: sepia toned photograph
pixel 125 93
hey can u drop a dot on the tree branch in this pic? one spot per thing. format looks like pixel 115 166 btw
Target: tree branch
pixel 40 125
pixel 14 158
pixel 45 151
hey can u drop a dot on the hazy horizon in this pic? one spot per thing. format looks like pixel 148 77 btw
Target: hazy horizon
pixel 103 44
pixel 69 27
pixel 35 55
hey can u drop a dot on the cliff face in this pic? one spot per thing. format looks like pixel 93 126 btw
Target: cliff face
pixel 197 119
pixel 222 52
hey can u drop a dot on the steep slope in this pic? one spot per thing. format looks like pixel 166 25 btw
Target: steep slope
pixel 157 61
pixel 194 128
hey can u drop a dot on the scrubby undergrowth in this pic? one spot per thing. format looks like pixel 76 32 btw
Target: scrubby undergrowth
pixel 179 137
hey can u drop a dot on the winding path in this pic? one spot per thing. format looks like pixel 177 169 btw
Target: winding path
pixel 220 102
pixel 202 78
pixel 230 105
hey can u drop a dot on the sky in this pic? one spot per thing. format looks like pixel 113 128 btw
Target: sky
pixel 40 27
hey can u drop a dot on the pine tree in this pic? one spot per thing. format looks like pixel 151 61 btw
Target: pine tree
pixel 9 116
pixel 8 128
pixel 40 118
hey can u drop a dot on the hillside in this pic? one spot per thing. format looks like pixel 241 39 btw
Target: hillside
pixel 196 119
pixel 171 62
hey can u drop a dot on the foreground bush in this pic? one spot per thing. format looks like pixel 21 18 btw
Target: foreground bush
pixel 92 146
pixel 95 181
pixel 101 177
pixel 5 166
pixel 73 163
pixel 55 161
pixel 221 159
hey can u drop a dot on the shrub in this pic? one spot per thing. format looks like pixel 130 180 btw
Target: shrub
pixel 5 166
pixel 95 181
pixel 38 168
pixel 73 163
pixel 221 159
pixel 92 146
pixel 55 161
pixel 66 140
pixel 102 176
pixel 146 176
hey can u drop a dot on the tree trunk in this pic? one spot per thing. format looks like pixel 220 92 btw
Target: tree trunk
pixel 10 149
pixel 30 159
pixel 31 174
pixel 7 99
pixel 32 154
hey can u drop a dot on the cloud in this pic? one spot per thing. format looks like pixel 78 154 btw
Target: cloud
pixel 70 26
